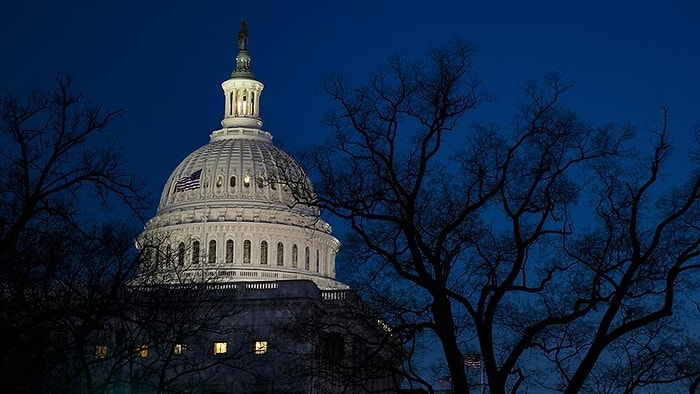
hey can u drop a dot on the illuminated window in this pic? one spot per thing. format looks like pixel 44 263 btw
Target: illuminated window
pixel 246 181
pixel 101 351
pixel 263 252
pixel 211 256
pixel 280 254
pixel 195 252
pixel 246 251
pixel 219 181
pixel 229 251
pixel 295 255
pixel 220 347
pixel 260 347
pixel 142 351
pixel 179 348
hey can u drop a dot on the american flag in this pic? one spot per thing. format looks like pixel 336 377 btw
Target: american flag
pixel 188 182
pixel 472 360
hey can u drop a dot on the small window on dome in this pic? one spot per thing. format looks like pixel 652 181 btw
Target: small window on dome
pixel 280 254
pixel 195 252
pixel 181 254
pixel 263 252
pixel 219 181
pixel 211 256
pixel 246 251
pixel 229 251
pixel 261 182
pixel 232 181
pixel 273 183
pixel 246 181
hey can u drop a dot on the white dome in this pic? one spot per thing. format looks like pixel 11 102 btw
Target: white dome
pixel 242 169
pixel 227 212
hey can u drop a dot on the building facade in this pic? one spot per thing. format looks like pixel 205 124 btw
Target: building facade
pixel 236 291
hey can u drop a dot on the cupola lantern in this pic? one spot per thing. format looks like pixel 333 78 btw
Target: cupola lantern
pixel 242 91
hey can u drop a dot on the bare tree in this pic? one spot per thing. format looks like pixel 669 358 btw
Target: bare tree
pixel 549 246
pixel 59 268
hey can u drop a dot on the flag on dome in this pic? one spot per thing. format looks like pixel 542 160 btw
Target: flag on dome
pixel 188 182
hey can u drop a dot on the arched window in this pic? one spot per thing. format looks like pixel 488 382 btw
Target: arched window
pixel 229 251
pixel 219 181
pixel 295 255
pixel 181 254
pixel 232 181
pixel 280 254
pixel 306 258
pixel 246 251
pixel 318 262
pixel 211 256
pixel 263 252
pixel 195 252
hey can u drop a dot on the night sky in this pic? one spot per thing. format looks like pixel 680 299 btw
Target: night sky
pixel 163 61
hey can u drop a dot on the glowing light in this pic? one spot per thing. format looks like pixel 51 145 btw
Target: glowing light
pixel 101 351
pixel 260 347
pixel 220 347
pixel 142 351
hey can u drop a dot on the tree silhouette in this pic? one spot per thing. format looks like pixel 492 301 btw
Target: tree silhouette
pixel 557 249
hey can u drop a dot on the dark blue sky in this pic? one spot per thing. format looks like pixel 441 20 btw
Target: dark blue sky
pixel 163 61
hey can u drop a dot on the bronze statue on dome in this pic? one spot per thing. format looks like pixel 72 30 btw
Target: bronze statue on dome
pixel 243 35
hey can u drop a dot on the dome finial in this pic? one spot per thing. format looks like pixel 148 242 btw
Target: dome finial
pixel 243 68
pixel 243 35
pixel 241 90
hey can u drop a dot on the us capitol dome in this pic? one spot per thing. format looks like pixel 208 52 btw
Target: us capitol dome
pixel 233 210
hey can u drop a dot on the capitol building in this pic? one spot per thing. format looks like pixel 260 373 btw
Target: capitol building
pixel 238 208
pixel 236 287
